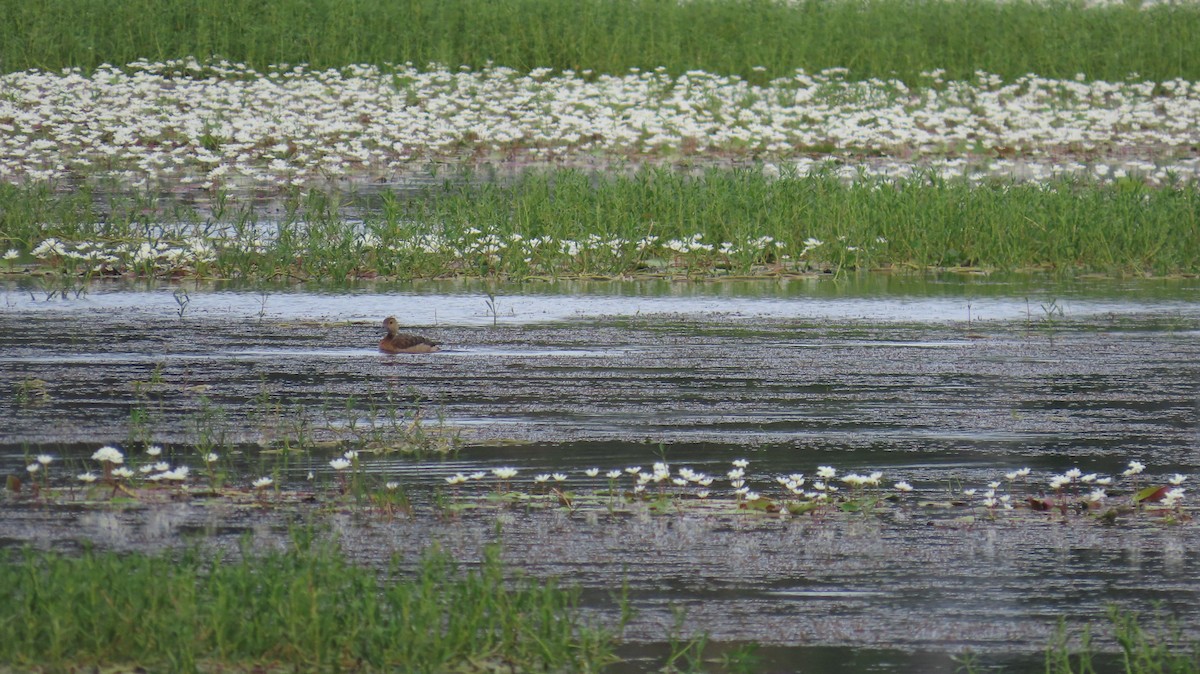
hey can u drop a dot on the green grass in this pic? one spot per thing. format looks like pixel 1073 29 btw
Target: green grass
pixel 571 223
pixel 305 608
pixel 1160 649
pixel 874 38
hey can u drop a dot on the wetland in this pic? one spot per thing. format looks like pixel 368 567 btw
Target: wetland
pixel 944 382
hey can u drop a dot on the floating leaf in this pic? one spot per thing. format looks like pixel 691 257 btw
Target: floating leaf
pixel 14 484
pixel 802 508
pixel 1151 494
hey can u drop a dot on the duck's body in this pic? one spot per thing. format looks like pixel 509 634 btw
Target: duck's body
pixel 399 342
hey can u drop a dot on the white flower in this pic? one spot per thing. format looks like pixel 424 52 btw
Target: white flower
pixel 1135 468
pixel 33 468
pixel 153 450
pixel 613 474
pixel 968 492
pixel 544 477
pixel 740 463
pixel 633 470
pixel 903 486
pixel 457 478
pixel 86 477
pixel 477 475
pixel 1176 479
pixel 1073 474
pixel 109 454
pixel 351 454
pixel 559 477
pixel 262 482
pixel 1173 497
pixel 592 472
pixel 736 474
pixel 392 485
pixel 752 496
pixel 1095 496
pixel 854 480
pixel 11 254
pixel 504 473
pixel 826 472
pixel 210 458
pixel 45 459
pixel 339 464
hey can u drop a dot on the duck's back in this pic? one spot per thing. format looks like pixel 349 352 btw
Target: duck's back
pixel 405 343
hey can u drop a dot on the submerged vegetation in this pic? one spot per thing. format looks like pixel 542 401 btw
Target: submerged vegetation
pixel 753 38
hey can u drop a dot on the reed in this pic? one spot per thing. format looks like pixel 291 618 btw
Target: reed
pixel 757 39
pixel 568 223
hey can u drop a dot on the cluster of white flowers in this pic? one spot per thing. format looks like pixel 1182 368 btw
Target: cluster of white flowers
pixel 112 459
pixel 156 258
pixel 227 125
pixel 544 253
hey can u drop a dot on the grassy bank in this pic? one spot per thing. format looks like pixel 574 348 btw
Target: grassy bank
pixel 569 223
pixel 308 609
pixel 305 608
pixel 757 39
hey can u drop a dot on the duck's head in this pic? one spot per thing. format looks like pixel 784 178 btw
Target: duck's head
pixel 391 324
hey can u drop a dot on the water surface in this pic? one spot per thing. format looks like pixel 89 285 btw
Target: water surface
pixel 946 382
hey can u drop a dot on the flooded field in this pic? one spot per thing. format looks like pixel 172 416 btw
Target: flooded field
pixel 946 383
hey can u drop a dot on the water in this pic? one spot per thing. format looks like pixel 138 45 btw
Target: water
pixel 946 382
pixel 875 298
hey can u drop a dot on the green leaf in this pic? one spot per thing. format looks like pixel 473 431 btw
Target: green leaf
pixel 1152 494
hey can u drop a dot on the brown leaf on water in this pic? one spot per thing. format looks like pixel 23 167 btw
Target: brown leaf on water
pixel 1040 505
pixel 14 484
pixel 564 498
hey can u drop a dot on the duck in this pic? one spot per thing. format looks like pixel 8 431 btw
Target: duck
pixel 399 342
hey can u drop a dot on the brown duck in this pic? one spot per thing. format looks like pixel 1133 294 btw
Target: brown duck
pixel 399 342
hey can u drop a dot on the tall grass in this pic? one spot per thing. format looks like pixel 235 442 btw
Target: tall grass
pixel 873 38
pixel 306 608
pixel 567 223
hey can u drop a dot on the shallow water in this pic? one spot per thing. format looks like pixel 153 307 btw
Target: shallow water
pixel 881 373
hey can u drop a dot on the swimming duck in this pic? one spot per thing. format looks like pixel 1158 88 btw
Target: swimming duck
pixel 398 342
